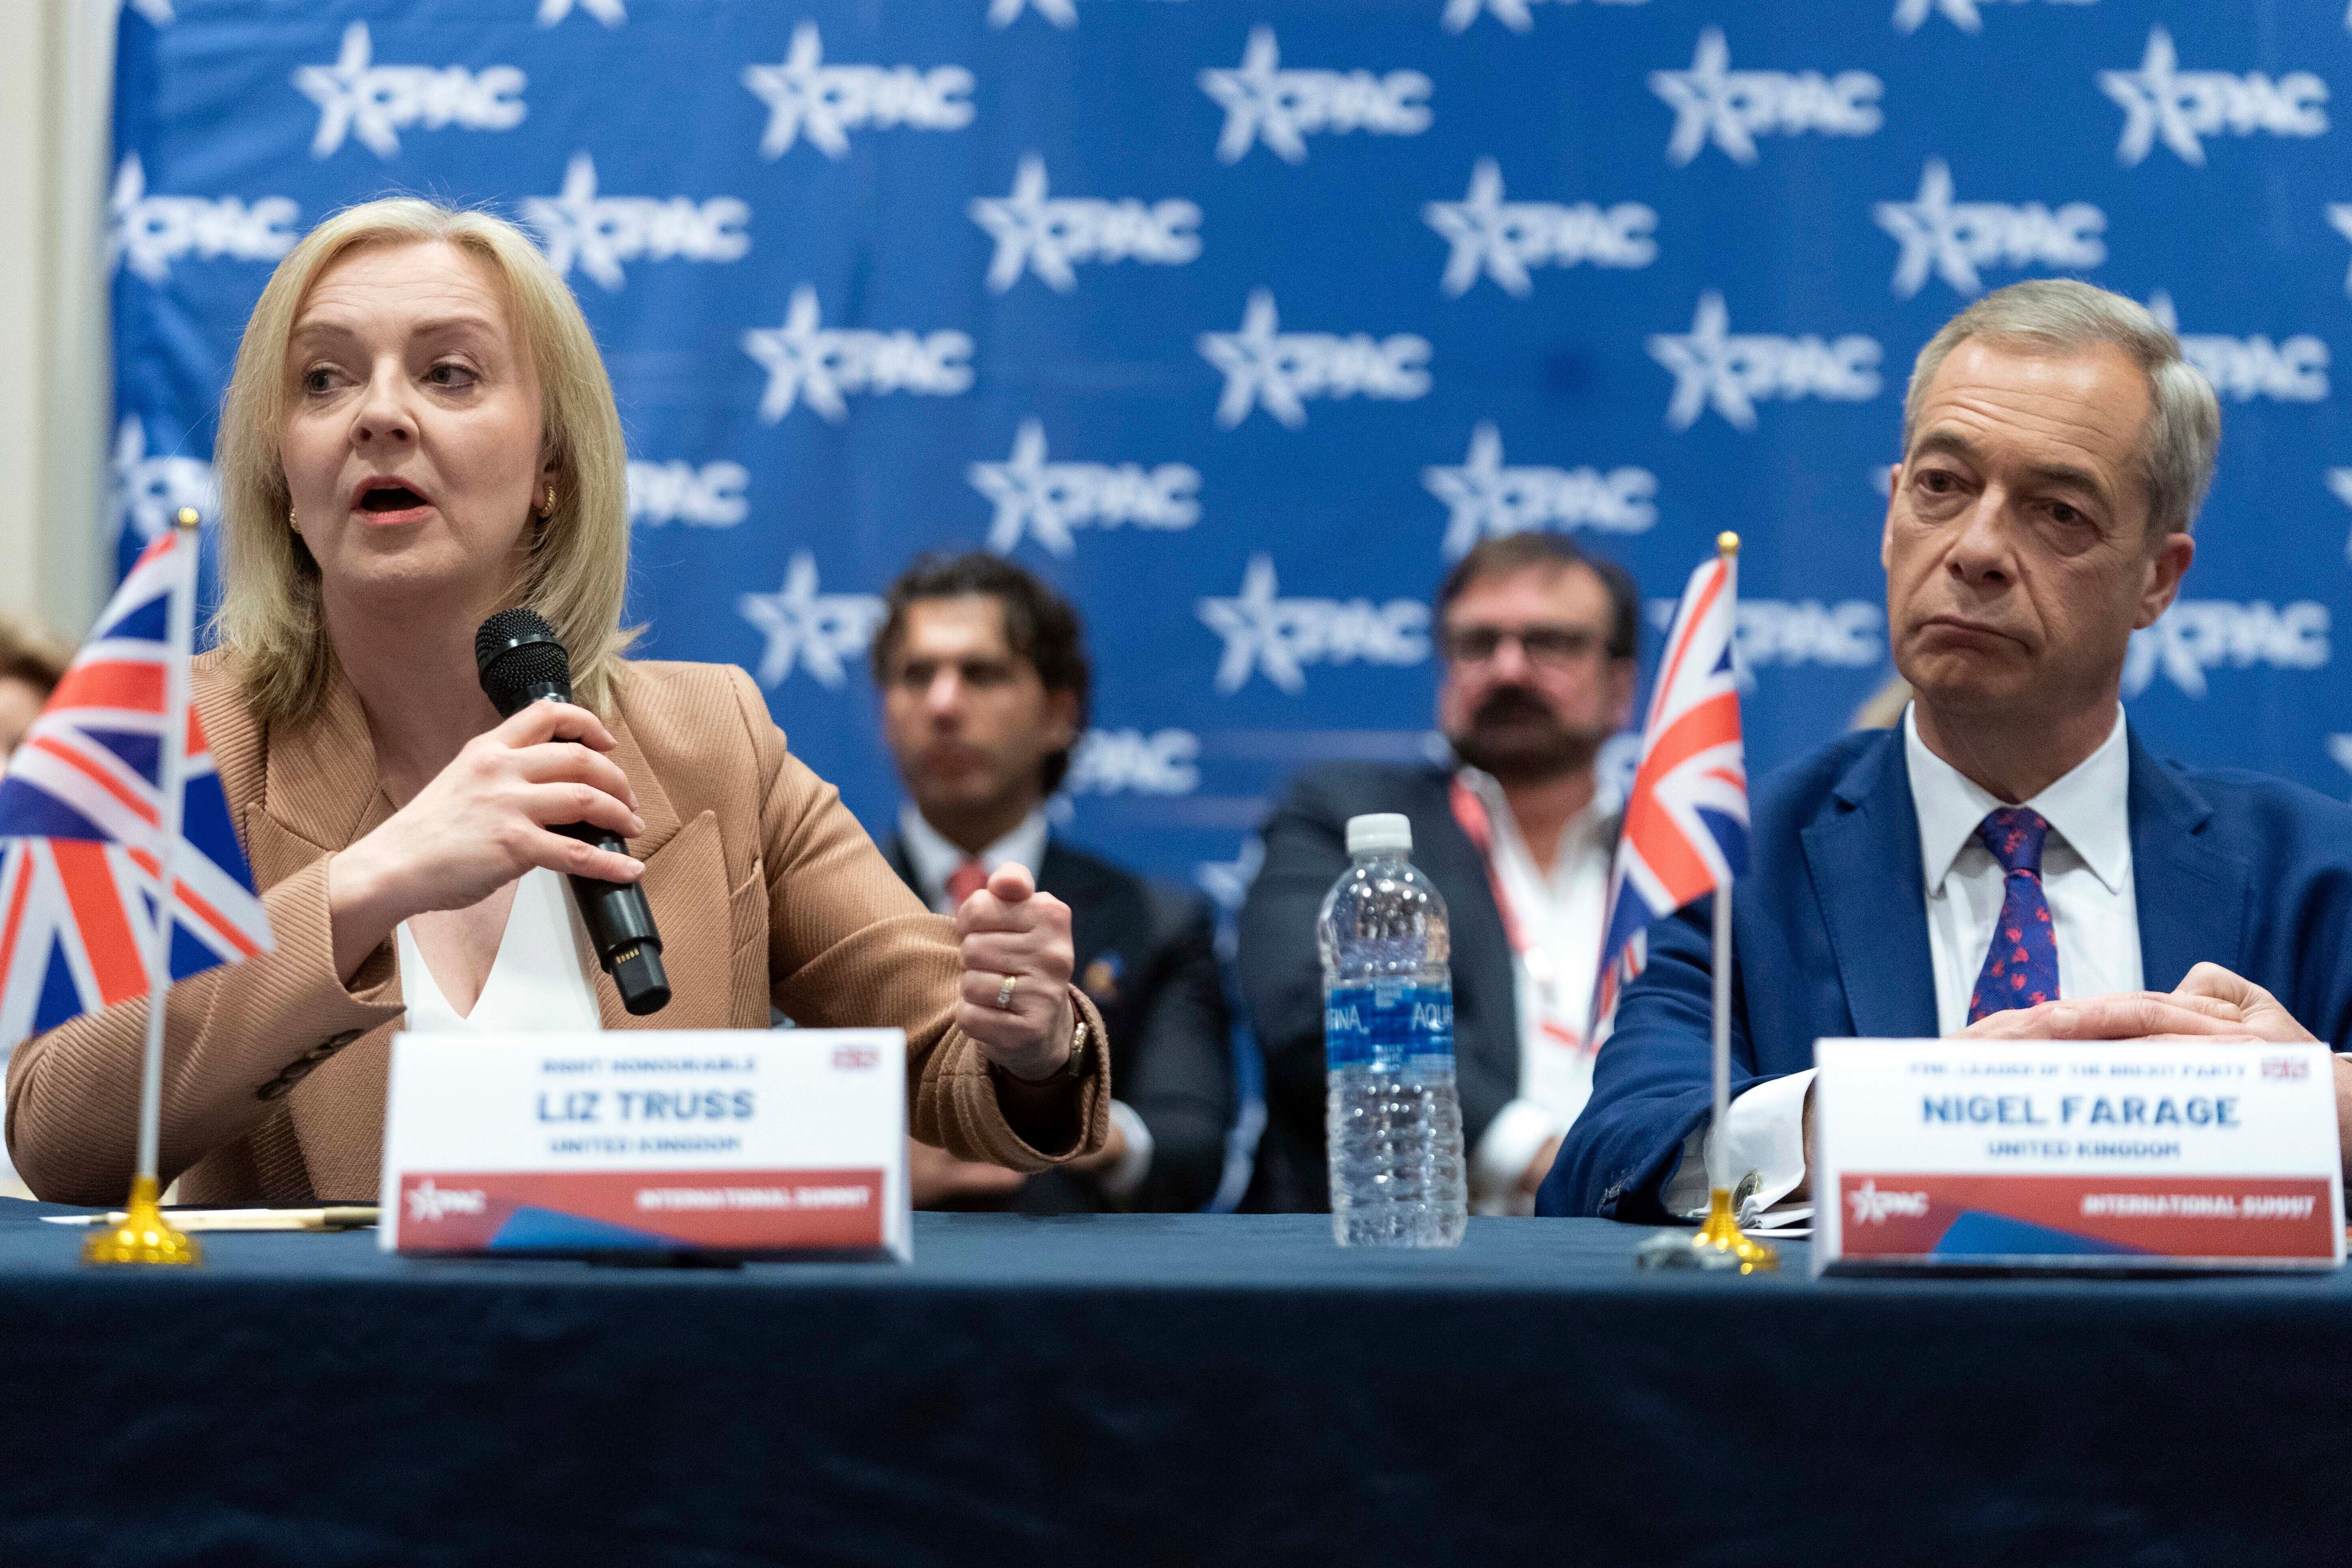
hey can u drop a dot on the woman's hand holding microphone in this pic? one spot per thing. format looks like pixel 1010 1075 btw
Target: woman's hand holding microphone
pixel 484 820
pixel 481 823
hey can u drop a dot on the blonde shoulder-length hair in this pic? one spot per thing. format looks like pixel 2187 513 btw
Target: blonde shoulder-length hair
pixel 270 617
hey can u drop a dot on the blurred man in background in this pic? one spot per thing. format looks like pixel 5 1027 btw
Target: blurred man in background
pixel 30 666
pixel 1538 641
pixel 984 686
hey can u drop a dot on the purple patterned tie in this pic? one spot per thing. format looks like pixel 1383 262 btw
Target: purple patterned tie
pixel 2020 969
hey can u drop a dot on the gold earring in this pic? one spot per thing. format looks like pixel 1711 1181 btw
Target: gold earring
pixel 293 519
pixel 549 510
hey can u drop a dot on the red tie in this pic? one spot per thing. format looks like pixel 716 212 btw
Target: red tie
pixel 964 881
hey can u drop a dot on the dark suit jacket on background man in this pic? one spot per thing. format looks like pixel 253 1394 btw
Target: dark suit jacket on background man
pixel 1281 972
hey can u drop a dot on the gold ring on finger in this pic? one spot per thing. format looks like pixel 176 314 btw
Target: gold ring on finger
pixel 1005 992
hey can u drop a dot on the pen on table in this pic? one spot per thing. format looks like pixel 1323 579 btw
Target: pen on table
pixel 326 1217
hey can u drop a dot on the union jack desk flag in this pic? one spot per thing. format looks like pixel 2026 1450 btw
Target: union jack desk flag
pixel 1686 829
pixel 81 823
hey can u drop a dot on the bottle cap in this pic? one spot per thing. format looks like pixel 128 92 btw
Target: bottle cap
pixel 1380 830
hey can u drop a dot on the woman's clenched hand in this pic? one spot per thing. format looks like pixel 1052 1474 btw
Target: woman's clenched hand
pixel 1009 928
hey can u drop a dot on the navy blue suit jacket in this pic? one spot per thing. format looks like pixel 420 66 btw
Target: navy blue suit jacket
pixel 1830 934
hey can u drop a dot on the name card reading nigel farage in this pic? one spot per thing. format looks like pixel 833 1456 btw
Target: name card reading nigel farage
pixel 2132 1154
pixel 731 1142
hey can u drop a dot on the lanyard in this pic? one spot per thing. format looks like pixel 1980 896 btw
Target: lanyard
pixel 1470 812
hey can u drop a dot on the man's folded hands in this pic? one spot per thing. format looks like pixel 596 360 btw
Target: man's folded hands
pixel 2210 1003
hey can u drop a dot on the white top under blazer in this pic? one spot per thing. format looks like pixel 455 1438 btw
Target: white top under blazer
pixel 538 983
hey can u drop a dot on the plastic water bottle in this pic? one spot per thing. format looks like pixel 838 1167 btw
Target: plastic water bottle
pixel 1393 1119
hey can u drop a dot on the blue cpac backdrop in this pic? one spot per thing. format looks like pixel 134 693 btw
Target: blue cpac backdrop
pixel 1241 321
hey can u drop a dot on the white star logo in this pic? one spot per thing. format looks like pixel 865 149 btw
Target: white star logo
pixel 802 362
pixel 1486 233
pixel 157 12
pixel 2339 213
pixel 1227 882
pixel 147 232
pixel 1264 367
pixel 1486 500
pixel 344 109
pixel 2155 104
pixel 1924 227
pixel 597 233
pixel 356 96
pixel 1512 14
pixel 1479 497
pixel 612 12
pixel 1005 13
pixel 1279 638
pixel 1264 102
pixel 1705 365
pixel 1025 495
pixel 148 492
pixel 569 221
pixel 1910 15
pixel 2164 104
pixel 1713 102
pixel 805 97
pixel 809 362
pixel 1256 109
pixel 1026 230
pixel 1046 500
pixel 1258 632
pixel 800 101
pixel 2339 747
pixel 1258 370
pixel 124 205
pixel 1704 104
pixel 1955 238
pixel 1715 368
pixel 2340 481
pixel 1049 235
pixel 819 632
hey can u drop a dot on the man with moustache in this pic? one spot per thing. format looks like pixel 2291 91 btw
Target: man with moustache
pixel 2010 861
pixel 1537 639
pixel 984 681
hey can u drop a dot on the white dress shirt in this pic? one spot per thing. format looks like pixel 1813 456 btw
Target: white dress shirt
pixel 1558 909
pixel 539 982
pixel 934 858
pixel 2086 874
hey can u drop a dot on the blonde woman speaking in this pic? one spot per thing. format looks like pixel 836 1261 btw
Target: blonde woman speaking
pixel 419 433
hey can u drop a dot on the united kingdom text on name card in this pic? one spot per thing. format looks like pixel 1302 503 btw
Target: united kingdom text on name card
pixel 760 1145
pixel 2131 1154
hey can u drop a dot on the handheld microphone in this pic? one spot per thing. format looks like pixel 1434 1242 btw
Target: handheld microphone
pixel 520 661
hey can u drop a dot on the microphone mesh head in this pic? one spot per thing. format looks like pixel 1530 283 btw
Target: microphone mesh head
pixel 505 629
pixel 520 659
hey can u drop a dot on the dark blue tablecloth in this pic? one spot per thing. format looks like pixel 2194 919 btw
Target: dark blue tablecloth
pixel 1184 1389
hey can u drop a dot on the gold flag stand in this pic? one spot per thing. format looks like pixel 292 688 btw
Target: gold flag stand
pixel 145 1235
pixel 1719 1243
pixel 1731 1245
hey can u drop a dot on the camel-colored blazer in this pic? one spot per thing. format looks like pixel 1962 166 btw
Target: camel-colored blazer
pixel 764 887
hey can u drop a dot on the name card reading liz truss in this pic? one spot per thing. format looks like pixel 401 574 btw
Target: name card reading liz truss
pixel 735 1143
pixel 2129 1154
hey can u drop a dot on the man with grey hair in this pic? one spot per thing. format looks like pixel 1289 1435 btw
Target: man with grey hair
pixel 2008 861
